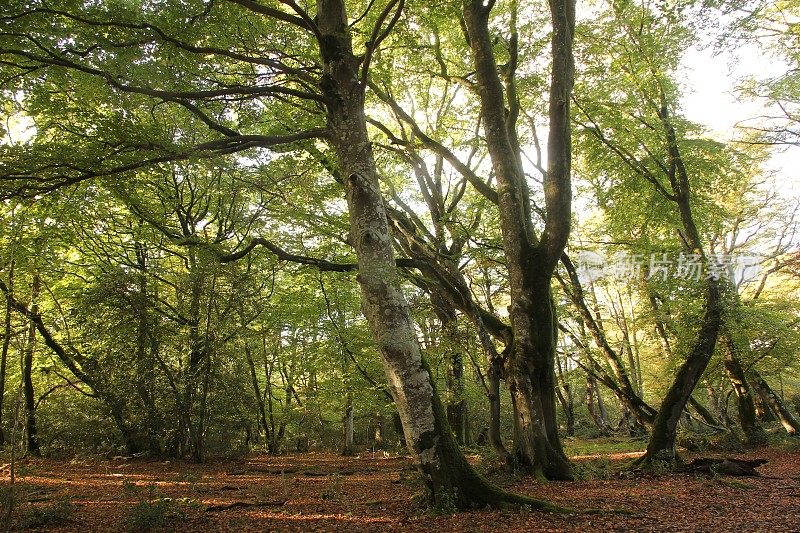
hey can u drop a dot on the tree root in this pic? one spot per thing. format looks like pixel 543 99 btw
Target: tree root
pixel 226 506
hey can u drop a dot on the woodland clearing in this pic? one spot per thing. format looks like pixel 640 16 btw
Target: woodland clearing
pixel 376 492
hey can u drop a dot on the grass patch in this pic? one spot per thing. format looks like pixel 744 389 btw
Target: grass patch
pixel 156 514
pixel 154 511
pixel 52 514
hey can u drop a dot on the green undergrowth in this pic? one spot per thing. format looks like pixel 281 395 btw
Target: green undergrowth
pixel 154 511
pixel 23 509
pixel 47 515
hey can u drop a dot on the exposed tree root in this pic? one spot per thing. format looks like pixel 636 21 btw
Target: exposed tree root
pixel 225 507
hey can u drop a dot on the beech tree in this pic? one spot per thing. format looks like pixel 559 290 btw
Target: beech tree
pixel 121 58
pixel 531 260
pixel 195 193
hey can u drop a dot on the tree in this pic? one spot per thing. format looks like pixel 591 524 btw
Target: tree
pixel 113 55
pixel 658 156
pixel 531 261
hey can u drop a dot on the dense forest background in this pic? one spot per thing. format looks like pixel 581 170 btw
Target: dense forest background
pixel 200 200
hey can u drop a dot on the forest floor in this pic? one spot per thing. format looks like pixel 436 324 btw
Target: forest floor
pixel 376 492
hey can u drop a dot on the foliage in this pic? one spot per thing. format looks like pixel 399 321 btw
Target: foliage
pixel 154 511
pixel 48 515
pixel 199 276
pixel 154 515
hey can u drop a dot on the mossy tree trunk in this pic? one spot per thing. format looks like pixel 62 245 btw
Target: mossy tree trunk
pixel 531 261
pixel 753 431
pixel 787 419
pixel 448 477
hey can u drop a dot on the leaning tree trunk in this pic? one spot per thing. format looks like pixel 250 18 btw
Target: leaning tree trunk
pixel 626 392
pixel 763 407
pixel 448 477
pixel 707 416
pixel 753 431
pixel 661 446
pixel 788 420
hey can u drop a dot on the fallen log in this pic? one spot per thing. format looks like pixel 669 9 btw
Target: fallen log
pixel 727 466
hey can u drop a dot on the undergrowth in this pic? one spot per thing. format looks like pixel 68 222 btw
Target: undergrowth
pixel 154 511
pixel 51 514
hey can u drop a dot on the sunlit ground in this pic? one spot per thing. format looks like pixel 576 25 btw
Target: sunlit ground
pixel 373 492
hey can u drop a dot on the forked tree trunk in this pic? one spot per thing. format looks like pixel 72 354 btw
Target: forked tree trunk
pixel 530 369
pixel 448 477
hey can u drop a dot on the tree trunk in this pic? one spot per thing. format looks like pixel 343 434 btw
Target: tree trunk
pixel 27 371
pixel 661 330
pixel 661 446
pixel 704 413
pixel 495 434
pixel 744 397
pixel 530 370
pixel 147 346
pixel 349 446
pixel 378 441
pixel 262 412
pixel 565 398
pixel 763 408
pixel 564 393
pixel 787 419
pixel 598 413
pixel 6 346
pixel 448 478
pixel 456 402
pixel 626 391
pixel 75 362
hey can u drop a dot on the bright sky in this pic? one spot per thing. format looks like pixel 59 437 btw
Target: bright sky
pixel 710 100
